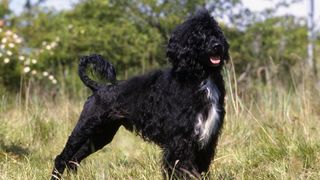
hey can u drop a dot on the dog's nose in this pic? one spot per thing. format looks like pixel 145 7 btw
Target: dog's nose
pixel 217 47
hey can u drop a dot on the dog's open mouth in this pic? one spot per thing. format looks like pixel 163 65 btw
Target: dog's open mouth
pixel 215 60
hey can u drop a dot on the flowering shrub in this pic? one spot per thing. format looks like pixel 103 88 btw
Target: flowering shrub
pixel 18 61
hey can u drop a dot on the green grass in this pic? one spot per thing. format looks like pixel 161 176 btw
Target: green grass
pixel 273 134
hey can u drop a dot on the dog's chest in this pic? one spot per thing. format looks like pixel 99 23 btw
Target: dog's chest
pixel 207 120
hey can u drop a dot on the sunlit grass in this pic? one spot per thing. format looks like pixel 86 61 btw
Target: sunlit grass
pixel 272 136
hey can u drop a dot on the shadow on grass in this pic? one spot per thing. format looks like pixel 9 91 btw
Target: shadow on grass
pixel 13 149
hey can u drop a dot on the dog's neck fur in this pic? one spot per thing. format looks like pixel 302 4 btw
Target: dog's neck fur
pixel 208 120
pixel 197 75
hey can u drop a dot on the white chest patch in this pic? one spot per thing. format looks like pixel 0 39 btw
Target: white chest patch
pixel 208 121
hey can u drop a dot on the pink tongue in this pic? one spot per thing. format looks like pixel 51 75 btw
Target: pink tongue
pixel 215 60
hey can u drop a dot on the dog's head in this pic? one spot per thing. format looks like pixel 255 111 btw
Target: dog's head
pixel 198 44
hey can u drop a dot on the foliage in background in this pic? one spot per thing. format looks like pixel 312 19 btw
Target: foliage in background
pixel 19 62
pixel 4 8
pixel 133 36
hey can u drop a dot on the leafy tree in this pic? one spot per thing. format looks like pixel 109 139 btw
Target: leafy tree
pixel 269 49
pixel 133 35
pixel 4 9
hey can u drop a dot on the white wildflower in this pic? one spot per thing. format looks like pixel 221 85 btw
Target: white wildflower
pixel 44 43
pixel 53 44
pixel 15 36
pixel 9 33
pixel 6 60
pixel 51 77
pixel 34 61
pixel 4 40
pixel 48 47
pixel 33 72
pixel 21 58
pixel 18 40
pixel 54 81
pixel 3 46
pixel 9 53
pixel 70 26
pixel 26 69
pixel 45 73
pixel 11 45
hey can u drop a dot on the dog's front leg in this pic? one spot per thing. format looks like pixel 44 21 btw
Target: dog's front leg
pixel 84 129
pixel 179 161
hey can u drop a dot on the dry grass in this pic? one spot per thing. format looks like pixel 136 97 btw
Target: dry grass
pixel 272 135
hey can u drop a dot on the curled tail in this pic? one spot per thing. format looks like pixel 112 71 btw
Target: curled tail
pixel 100 66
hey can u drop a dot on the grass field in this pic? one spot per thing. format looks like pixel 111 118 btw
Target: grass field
pixel 273 134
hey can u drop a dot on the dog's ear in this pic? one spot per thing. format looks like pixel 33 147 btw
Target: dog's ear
pixel 177 53
pixel 185 43
pixel 183 51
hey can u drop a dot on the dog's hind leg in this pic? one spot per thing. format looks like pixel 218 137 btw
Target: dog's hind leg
pixel 93 144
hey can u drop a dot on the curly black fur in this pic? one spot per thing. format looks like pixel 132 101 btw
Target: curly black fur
pixel 100 66
pixel 180 108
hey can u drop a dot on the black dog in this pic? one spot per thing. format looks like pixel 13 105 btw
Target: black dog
pixel 180 108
